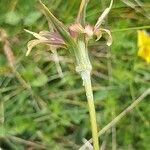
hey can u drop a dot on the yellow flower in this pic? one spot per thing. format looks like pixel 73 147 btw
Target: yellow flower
pixel 144 45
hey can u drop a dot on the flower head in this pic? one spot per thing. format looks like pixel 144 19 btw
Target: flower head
pixel 144 45
pixel 68 37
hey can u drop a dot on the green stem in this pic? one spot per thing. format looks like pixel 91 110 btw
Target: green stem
pixel 132 28
pixel 89 93
pixel 84 69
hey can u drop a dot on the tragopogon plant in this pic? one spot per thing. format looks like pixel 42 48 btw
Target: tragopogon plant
pixel 75 38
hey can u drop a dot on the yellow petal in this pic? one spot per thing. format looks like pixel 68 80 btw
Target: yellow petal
pixel 144 45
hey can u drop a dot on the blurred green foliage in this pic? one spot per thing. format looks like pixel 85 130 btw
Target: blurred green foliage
pixel 51 110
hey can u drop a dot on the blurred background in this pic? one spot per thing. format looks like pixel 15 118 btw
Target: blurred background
pixel 42 100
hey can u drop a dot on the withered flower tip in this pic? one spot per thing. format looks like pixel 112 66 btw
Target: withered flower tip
pixel 66 37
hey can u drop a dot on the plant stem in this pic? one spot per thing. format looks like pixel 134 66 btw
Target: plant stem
pixel 120 116
pixel 84 69
pixel 89 93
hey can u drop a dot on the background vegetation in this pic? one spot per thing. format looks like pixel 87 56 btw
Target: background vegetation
pixel 38 106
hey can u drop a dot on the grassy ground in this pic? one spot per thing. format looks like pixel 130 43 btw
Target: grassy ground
pixel 40 109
